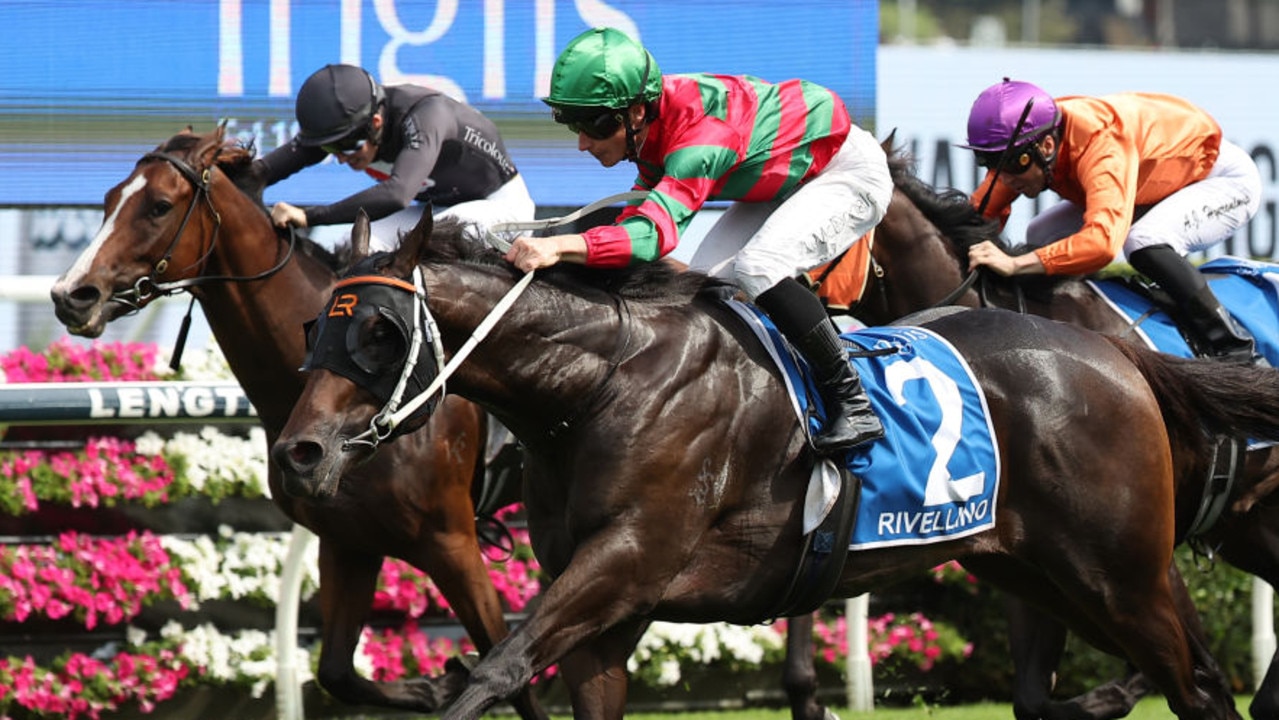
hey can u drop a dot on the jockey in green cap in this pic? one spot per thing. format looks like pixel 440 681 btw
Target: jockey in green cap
pixel 806 182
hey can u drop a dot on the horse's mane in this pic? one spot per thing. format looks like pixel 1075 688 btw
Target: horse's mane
pixel 948 209
pixel 958 221
pixel 657 283
pixel 235 160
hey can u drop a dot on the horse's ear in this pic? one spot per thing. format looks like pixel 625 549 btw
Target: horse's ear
pixel 413 245
pixel 360 233
pixel 206 152
pixel 889 141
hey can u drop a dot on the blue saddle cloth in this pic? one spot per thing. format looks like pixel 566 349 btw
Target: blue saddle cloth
pixel 1248 289
pixel 935 474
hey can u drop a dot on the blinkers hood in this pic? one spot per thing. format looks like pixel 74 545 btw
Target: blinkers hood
pixel 364 334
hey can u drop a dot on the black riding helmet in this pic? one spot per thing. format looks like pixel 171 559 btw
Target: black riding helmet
pixel 336 102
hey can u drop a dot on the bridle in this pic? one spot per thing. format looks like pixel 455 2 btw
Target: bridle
pixel 384 424
pixel 390 421
pixel 148 287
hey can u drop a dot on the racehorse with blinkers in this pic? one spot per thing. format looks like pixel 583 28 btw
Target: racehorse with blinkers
pixel 665 471
pixel 189 216
pixel 920 260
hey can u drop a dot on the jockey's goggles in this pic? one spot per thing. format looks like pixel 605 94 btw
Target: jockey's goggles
pixel 1020 159
pixel 600 126
pixel 346 146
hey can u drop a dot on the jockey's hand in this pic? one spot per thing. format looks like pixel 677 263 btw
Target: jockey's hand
pixel 987 254
pixel 284 215
pixel 533 253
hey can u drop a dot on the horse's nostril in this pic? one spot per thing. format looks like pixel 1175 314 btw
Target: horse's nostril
pixel 84 296
pixel 302 455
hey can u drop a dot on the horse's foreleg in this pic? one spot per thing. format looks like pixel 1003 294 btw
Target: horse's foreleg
pixel 462 577
pixel 799 674
pixel 610 581
pixel 596 673
pixel 347 582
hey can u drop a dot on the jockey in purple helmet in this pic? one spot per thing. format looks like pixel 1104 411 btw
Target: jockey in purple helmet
pixel 1145 174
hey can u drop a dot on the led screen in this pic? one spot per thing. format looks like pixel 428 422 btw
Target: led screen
pixel 89 86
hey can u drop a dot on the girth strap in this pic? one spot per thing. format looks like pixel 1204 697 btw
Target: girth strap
pixel 825 550
pixel 1221 480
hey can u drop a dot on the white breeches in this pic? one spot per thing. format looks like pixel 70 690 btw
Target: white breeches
pixel 509 203
pixel 756 245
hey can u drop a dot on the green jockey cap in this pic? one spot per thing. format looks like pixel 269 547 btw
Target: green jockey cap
pixel 604 68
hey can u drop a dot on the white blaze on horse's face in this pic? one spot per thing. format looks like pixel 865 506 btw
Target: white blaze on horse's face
pixel 82 264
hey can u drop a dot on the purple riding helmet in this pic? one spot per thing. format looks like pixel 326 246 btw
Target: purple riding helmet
pixel 996 110
pixel 1000 106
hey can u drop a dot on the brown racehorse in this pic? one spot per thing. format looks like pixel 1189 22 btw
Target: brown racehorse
pixel 921 252
pixel 191 212
pixel 665 473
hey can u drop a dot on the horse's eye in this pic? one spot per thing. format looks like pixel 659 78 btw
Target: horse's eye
pixel 381 345
pixel 161 208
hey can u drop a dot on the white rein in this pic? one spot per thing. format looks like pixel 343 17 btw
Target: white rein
pixel 384 423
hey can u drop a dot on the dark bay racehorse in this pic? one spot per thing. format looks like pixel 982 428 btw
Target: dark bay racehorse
pixel 191 211
pixel 921 252
pixel 665 471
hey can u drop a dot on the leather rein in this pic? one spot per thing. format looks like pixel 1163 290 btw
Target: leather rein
pixel 149 286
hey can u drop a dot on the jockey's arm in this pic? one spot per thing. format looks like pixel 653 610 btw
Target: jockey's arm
pixel 989 255
pixel 532 253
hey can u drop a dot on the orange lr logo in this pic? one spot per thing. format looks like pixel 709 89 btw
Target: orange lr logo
pixel 343 304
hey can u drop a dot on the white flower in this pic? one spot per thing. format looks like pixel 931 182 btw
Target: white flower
pixel 244 658
pixel 668 673
pixel 661 651
pixel 204 364
pixel 363 663
pixel 149 443
pixel 236 465
pixel 238 565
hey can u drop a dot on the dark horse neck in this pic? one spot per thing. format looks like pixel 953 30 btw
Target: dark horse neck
pixel 546 374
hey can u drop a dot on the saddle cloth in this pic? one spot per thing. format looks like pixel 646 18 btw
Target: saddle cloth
pixel 935 474
pixel 841 282
pixel 1248 289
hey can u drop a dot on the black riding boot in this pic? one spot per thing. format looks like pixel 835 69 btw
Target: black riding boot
pixel 1210 323
pixel 799 315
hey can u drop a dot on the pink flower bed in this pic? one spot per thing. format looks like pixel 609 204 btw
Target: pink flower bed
pixel 67 361
pixel 105 472
pixel 82 687
pixel 91 579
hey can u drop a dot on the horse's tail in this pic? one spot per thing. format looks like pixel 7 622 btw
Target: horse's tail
pixel 1221 398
